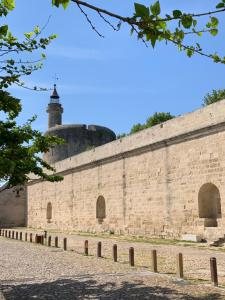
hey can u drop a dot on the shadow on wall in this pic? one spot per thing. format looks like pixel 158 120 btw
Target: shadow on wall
pixel 84 288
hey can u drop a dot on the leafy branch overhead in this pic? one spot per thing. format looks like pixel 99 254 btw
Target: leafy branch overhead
pixel 20 145
pixel 12 67
pixel 151 26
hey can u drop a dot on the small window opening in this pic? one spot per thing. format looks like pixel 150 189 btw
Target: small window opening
pixel 100 209
pixel 49 212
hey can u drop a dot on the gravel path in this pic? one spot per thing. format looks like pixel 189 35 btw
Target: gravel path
pixel 30 271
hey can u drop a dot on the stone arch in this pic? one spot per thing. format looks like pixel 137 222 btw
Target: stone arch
pixel 209 204
pixel 100 209
pixel 49 212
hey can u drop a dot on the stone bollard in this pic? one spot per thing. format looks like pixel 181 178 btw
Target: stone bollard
pixel 10 234
pixel 31 236
pixel 17 235
pixel 21 236
pixel 99 249
pixel 86 247
pixel 131 256
pixel 115 253
pixel 13 234
pixel 180 270
pixel 26 237
pixel 56 242
pixel 213 270
pixel 65 244
pixel 49 241
pixel 154 261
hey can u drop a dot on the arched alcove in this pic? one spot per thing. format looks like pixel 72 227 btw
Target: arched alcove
pixel 209 204
pixel 100 209
pixel 49 212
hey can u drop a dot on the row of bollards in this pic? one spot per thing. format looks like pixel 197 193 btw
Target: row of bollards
pixel 40 239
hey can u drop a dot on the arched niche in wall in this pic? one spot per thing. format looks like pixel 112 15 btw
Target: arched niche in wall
pixel 100 209
pixel 49 212
pixel 209 204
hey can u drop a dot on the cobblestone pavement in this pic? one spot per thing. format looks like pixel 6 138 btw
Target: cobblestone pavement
pixel 30 271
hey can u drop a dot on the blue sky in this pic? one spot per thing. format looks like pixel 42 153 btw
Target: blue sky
pixel 115 81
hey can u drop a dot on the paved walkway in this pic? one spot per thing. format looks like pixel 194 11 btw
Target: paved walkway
pixel 30 271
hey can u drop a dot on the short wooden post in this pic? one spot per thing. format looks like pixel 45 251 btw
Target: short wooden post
pixel 99 249
pixel 56 242
pixel 0 232
pixel 115 253
pixel 6 233
pixel 154 261
pixel 36 239
pixel 131 256
pixel 26 237
pixel 42 239
pixel 86 247
pixel 45 234
pixel 3 232
pixel 49 241
pixel 13 234
pixel 10 234
pixel 213 270
pixel 17 234
pixel 180 269
pixel 65 244
pixel 21 236
pixel 31 236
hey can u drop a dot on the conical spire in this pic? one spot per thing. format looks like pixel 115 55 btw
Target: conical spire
pixel 54 97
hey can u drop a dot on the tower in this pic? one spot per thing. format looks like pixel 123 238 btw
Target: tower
pixel 54 110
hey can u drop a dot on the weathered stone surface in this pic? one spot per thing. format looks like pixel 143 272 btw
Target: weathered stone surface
pixel 191 237
pixel 13 207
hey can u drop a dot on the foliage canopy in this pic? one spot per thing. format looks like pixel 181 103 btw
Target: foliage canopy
pixel 213 97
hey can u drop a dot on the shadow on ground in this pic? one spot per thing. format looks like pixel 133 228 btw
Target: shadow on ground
pixel 69 289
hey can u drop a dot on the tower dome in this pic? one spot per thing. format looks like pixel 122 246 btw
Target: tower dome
pixel 77 137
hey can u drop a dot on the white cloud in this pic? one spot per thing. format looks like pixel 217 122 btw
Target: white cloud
pixel 76 53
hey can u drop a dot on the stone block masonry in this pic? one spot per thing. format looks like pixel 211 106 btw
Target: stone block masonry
pixel 164 181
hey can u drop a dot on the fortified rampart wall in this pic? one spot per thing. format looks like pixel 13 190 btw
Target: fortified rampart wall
pixel 149 182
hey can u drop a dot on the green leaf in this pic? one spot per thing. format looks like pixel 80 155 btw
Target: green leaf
pixel 187 21
pixel 29 35
pixel 141 10
pixel 177 13
pixel 189 52
pixel 220 5
pixel 214 32
pixel 36 30
pixel 64 3
pixel 9 4
pixel 155 8
pixel 214 22
pixel 3 30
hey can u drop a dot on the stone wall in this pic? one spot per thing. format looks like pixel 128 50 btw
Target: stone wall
pixel 150 180
pixel 13 208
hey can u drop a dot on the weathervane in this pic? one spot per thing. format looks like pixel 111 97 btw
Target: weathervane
pixel 56 78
